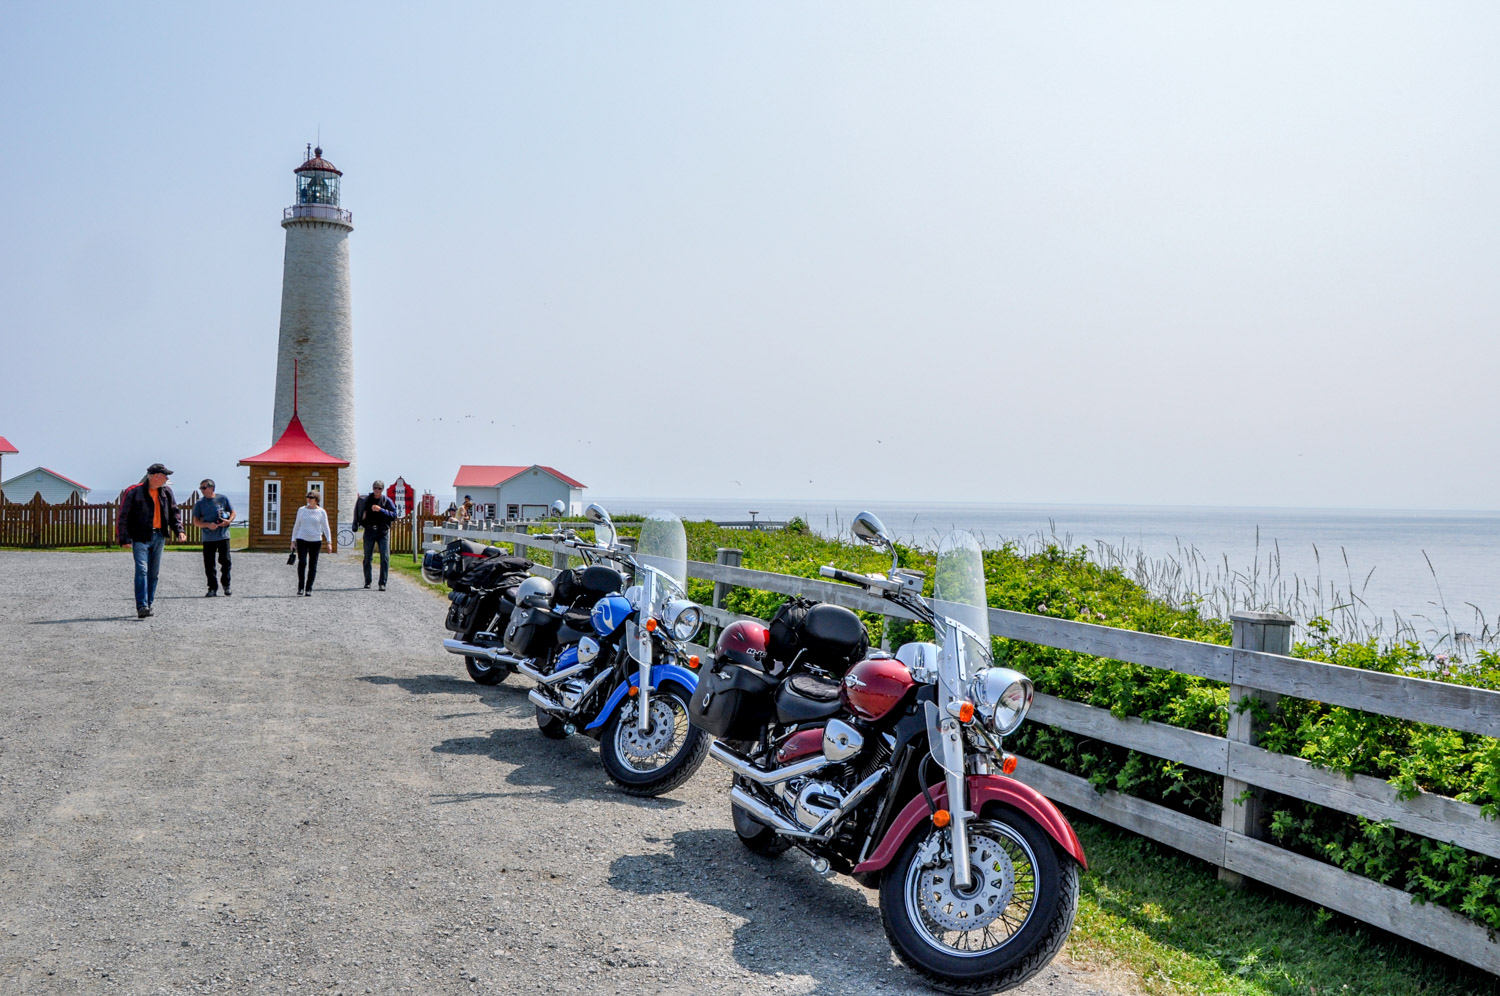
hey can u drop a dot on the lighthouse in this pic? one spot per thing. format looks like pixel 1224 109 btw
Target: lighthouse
pixel 316 348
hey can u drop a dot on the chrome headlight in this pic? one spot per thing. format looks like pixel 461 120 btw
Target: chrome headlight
pixel 683 619
pixel 1002 698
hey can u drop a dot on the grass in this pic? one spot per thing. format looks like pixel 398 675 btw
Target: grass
pixel 1166 919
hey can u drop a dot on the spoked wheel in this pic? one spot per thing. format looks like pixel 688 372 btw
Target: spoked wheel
pixel 664 756
pixel 552 728
pixel 484 672
pixel 1000 931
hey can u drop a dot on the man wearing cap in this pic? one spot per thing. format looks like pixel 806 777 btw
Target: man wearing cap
pixel 212 513
pixel 146 517
pixel 375 512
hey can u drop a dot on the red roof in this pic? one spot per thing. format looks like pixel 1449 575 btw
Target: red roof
pixel 295 446
pixel 471 475
pixel 6 447
pixel 318 162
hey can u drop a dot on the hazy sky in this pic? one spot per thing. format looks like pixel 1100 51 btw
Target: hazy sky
pixel 1126 253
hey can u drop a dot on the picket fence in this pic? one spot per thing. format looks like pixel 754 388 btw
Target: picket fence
pixel 1255 665
pixel 42 526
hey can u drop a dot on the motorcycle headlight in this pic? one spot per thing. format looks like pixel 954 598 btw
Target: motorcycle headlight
pixel 683 619
pixel 1002 698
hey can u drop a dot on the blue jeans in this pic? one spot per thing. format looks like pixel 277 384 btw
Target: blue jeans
pixel 147 567
pixel 383 541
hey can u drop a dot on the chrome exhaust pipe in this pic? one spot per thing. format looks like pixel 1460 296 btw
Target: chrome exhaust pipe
pixel 548 679
pixel 765 814
pixel 545 704
pixel 854 798
pixel 495 655
pixel 740 765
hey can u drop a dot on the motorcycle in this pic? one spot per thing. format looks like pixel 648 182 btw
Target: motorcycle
pixel 977 873
pixel 483 582
pixel 607 662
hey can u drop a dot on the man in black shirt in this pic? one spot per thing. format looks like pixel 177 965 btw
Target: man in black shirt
pixel 375 513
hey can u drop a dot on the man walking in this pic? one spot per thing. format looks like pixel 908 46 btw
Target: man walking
pixel 375 513
pixel 146 517
pixel 212 513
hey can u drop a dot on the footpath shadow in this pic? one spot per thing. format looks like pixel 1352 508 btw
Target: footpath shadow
pixel 87 619
pixel 446 684
pixel 566 770
pixel 797 922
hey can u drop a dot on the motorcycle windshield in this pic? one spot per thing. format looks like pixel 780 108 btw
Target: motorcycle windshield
pixel 661 553
pixel 962 627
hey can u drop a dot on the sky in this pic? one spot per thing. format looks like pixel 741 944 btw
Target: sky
pixel 1133 253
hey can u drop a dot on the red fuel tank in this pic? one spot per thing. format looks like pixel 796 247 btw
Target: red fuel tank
pixel 873 687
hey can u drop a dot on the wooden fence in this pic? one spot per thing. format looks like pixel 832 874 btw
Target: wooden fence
pixel 41 526
pixel 1256 665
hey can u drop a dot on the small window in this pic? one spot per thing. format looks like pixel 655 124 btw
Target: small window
pixel 512 511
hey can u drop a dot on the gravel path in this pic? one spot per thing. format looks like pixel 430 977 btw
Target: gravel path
pixel 270 794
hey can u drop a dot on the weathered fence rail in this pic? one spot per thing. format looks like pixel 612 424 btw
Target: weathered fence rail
pixel 42 526
pixel 1233 845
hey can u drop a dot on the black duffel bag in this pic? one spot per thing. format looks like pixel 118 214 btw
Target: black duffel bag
pixel 582 587
pixel 816 634
pixel 494 572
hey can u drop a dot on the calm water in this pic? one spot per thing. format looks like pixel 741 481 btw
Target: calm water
pixel 1464 547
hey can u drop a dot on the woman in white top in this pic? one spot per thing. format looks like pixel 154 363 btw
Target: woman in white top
pixel 310 532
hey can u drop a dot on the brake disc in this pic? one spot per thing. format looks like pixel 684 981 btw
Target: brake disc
pixel 640 745
pixel 990 892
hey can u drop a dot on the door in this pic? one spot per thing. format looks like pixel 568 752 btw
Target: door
pixel 271 509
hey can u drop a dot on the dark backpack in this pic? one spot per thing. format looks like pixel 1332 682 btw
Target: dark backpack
pixel 816 634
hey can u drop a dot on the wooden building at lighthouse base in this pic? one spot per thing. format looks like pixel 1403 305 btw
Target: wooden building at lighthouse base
pixel 280 479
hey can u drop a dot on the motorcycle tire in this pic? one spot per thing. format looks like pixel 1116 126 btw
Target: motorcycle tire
pixel 679 768
pixel 552 728
pixel 756 836
pixel 1029 950
pixel 484 672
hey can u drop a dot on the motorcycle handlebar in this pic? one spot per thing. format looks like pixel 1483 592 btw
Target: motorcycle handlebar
pixel 838 575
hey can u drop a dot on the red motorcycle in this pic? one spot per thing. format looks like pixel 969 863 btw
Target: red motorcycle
pixel 893 771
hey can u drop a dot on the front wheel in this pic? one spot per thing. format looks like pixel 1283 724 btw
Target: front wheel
pixel 663 757
pixel 999 932
pixel 484 672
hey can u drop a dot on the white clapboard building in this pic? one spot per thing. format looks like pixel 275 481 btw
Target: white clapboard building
pixel 52 486
pixel 516 492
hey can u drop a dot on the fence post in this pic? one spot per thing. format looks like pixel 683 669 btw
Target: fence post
pixel 518 548
pixel 37 508
pixel 559 560
pixel 728 556
pixel 416 537
pixel 1269 632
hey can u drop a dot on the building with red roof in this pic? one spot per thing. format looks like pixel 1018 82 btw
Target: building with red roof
pixel 516 492
pixel 280 479
pixel 52 486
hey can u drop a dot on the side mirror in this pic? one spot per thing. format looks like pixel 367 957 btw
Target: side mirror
pixel 595 513
pixel 870 531
pixel 559 509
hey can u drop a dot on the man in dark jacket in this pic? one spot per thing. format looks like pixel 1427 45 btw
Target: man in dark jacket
pixel 375 513
pixel 146 517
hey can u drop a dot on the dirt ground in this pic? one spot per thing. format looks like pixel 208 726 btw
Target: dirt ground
pixel 271 794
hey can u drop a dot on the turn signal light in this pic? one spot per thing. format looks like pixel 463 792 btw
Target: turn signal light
pixel 966 712
pixel 693 662
pixel 634 691
pixel 651 625
pixel 941 818
pixel 1008 764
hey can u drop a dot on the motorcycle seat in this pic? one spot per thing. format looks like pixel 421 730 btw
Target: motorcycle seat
pixel 803 698
pixel 567 634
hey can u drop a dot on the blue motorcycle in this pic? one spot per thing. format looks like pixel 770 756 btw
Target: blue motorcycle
pixel 610 661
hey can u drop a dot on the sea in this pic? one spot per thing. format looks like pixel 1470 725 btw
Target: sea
pixel 1433 575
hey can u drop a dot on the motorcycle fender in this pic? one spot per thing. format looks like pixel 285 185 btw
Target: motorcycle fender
pixel 983 789
pixel 660 673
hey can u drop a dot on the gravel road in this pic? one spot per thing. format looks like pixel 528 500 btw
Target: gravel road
pixel 271 794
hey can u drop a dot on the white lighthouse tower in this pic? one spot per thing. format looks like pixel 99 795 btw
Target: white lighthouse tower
pixel 317 328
